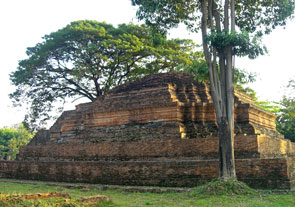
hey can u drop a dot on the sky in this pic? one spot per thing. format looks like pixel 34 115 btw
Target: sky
pixel 24 23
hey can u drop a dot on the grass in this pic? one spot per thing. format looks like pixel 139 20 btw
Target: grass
pixel 136 199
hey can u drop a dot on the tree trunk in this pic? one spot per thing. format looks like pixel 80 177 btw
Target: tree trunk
pixel 221 83
pixel 226 151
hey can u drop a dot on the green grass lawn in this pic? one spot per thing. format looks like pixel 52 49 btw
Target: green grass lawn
pixel 135 199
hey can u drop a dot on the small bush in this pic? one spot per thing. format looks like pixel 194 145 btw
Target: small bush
pixel 220 187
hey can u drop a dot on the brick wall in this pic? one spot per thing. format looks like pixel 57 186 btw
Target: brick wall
pixel 254 146
pixel 259 173
pixel 205 148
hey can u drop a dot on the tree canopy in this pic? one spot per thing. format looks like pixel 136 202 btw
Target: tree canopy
pixel 260 17
pixel 11 138
pixel 87 58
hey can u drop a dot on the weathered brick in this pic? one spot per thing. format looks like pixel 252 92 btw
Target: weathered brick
pixel 160 130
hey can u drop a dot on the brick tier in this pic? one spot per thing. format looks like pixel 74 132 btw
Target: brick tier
pixel 160 130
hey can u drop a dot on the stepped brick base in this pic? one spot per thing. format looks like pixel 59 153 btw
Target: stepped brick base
pixel 160 130
pixel 258 173
pixel 254 146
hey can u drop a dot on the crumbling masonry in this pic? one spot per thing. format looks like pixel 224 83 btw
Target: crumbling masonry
pixel 160 130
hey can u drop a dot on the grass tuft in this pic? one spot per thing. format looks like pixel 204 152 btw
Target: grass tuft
pixel 219 188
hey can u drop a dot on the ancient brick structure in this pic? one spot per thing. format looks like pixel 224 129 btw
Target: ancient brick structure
pixel 160 130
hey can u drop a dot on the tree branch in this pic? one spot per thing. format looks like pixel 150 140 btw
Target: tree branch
pixel 214 82
pixel 89 95
pixel 226 15
pixel 216 15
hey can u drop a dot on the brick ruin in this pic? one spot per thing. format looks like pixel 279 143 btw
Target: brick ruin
pixel 160 130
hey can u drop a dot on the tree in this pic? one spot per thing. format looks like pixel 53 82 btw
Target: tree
pixel 11 138
pixel 86 59
pixel 286 114
pixel 286 118
pixel 285 111
pixel 217 20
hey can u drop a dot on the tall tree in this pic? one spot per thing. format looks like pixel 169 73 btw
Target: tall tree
pixel 86 59
pixel 217 20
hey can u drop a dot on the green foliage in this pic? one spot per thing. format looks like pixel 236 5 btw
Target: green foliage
pixel 199 68
pixel 253 17
pixel 166 14
pixel 220 188
pixel 241 79
pixel 285 111
pixel 12 138
pixel 242 44
pixel 269 106
pixel 286 118
pixel 86 59
pixel 262 16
